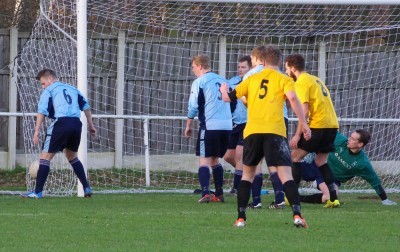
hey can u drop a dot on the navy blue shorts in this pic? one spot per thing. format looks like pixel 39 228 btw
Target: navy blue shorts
pixel 236 137
pixel 310 172
pixel 212 143
pixel 273 147
pixel 65 132
pixel 322 141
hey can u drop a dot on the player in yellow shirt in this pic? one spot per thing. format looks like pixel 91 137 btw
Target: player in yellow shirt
pixel 322 120
pixel 265 131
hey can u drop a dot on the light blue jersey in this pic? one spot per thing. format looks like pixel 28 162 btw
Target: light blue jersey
pixel 257 69
pixel 206 102
pixel 238 109
pixel 62 100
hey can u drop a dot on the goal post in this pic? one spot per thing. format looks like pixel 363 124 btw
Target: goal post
pixel 132 59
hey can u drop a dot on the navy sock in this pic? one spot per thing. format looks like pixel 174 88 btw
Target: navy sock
pixel 236 178
pixel 296 173
pixel 204 179
pixel 278 187
pixel 256 188
pixel 79 171
pixel 293 196
pixel 43 172
pixel 218 176
pixel 243 197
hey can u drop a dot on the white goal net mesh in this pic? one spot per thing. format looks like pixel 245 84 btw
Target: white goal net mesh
pixel 149 44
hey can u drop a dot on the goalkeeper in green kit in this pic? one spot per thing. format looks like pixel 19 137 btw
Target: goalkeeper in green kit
pixel 349 160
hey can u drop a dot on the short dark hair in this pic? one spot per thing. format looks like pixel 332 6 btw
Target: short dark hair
pixel 297 61
pixel 45 73
pixel 365 136
pixel 246 58
pixel 268 54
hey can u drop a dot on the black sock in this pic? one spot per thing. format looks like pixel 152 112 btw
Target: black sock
pixel 243 197
pixel 43 172
pixel 296 173
pixel 204 179
pixel 311 199
pixel 328 178
pixel 278 187
pixel 218 176
pixel 292 194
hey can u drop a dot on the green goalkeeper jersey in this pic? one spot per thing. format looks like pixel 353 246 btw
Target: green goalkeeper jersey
pixel 346 165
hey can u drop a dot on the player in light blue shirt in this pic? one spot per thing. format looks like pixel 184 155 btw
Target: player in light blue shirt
pixel 234 154
pixel 63 103
pixel 215 126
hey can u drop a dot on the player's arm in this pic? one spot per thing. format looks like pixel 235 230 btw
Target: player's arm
pixel 88 115
pixel 298 110
pixel 193 107
pixel 372 178
pixel 39 120
pixel 239 91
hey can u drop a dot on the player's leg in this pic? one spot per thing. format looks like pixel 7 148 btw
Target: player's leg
pixel 277 154
pixel 218 177
pixel 256 188
pixel 204 167
pixel 79 170
pixel 297 155
pixel 252 154
pixel 279 202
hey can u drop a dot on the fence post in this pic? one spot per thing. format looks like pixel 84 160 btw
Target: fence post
pixel 119 123
pixel 12 100
pixel 146 147
pixel 222 56
pixel 322 61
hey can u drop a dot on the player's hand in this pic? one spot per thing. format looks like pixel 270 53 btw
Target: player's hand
pixel 388 202
pixel 92 131
pixel 188 132
pixel 293 142
pixel 224 88
pixel 36 137
pixel 306 132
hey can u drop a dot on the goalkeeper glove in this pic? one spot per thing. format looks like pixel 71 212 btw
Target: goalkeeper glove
pixel 388 202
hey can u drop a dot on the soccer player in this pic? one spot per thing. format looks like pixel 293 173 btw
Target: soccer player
pixel 322 120
pixel 215 121
pixel 63 103
pixel 265 131
pixel 349 160
pixel 234 153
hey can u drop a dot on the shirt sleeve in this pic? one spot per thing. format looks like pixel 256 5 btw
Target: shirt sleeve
pixel 242 88
pixel 193 105
pixel 369 174
pixel 44 103
pixel 83 103
pixel 302 91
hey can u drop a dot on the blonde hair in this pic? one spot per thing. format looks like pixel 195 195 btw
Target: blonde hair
pixel 268 54
pixel 202 60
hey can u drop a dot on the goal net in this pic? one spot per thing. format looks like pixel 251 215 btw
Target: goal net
pixel 139 79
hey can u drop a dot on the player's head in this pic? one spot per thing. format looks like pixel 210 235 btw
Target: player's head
pixel 294 64
pixel 244 65
pixel 257 55
pixel 272 57
pixel 200 64
pixel 358 139
pixel 46 77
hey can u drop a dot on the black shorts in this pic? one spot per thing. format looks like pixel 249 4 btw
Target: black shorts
pixel 236 136
pixel 212 143
pixel 65 132
pixel 273 147
pixel 322 141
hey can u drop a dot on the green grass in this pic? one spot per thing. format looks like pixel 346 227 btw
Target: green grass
pixel 176 222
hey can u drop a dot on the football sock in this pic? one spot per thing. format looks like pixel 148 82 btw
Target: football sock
pixel 236 178
pixel 278 187
pixel 312 199
pixel 204 179
pixel 328 178
pixel 79 171
pixel 43 172
pixel 256 188
pixel 292 194
pixel 218 176
pixel 381 192
pixel 243 197
pixel 296 173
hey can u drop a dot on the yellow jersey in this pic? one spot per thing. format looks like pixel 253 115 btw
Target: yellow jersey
pixel 310 89
pixel 265 95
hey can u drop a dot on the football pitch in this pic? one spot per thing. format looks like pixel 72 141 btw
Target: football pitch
pixel 176 222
